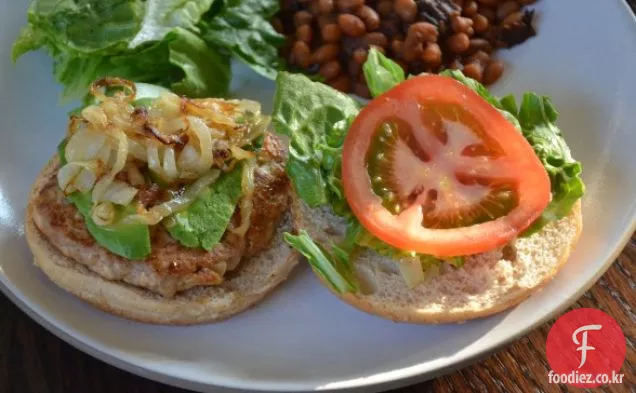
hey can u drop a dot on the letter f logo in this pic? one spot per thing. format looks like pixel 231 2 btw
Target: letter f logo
pixel 584 347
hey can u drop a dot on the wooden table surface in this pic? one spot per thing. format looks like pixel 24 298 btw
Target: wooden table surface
pixel 32 360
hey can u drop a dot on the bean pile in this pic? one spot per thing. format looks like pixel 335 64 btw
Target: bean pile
pixel 332 37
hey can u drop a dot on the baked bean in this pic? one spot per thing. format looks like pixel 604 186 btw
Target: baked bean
pixel 432 54
pixel 458 42
pixel 354 68
pixel 473 70
pixel 424 31
pixel 513 18
pixel 506 8
pixel 324 20
pixel 406 9
pixel 391 27
pixel 314 8
pixel 489 13
pixel 489 3
pixel 361 90
pixel 325 6
pixel 370 18
pixel 480 57
pixel 480 23
pixel 301 54
pixel 493 72
pixel 351 25
pixel 470 8
pixel 461 24
pixel 330 69
pixel 341 83
pixel 480 44
pixel 346 5
pixel 397 46
pixel 417 35
pixel 302 18
pixel 331 33
pixel 412 50
pixel 304 33
pixel 325 53
pixel 332 38
pixel 384 7
pixel 377 39
pixel 360 55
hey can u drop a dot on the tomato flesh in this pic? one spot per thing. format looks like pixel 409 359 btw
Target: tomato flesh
pixel 431 167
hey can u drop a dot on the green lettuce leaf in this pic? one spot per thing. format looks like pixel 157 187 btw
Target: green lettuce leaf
pixel 316 118
pixel 164 15
pixel 181 62
pixel 89 39
pixel 538 116
pixel 207 72
pixel 86 26
pixel 28 40
pixel 243 28
pixel 381 73
pixel 358 236
pixel 203 223
pixel 333 266
pixel 486 95
pixel 131 241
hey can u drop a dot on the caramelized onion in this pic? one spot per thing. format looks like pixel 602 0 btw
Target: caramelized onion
pixel 134 175
pixel 247 204
pixel 103 213
pixel 120 162
pixel 85 145
pixel 119 193
pixel 411 270
pixel 177 204
pixel 77 176
pixel 241 154
pixel 99 87
pixel 176 138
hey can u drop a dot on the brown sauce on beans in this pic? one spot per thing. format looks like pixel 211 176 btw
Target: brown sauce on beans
pixel 332 37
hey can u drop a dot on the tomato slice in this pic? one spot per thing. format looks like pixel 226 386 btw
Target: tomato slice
pixel 431 167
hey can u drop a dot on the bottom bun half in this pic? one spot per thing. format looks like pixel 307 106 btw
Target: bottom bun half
pixel 488 283
pixel 250 282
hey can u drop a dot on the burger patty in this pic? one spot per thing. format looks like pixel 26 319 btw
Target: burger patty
pixel 171 267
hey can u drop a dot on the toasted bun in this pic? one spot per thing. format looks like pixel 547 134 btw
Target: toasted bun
pixel 487 283
pixel 251 281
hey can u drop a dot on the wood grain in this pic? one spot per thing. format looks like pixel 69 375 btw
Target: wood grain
pixel 32 360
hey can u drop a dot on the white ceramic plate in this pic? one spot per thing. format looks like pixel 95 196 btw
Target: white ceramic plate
pixel 303 338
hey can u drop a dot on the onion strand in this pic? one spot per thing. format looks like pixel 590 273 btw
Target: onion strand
pixel 247 203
